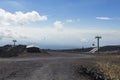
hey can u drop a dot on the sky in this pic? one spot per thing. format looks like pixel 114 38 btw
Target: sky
pixel 60 24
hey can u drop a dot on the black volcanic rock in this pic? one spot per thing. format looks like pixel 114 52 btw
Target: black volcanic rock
pixel 33 50
pixel 13 51
pixel 10 51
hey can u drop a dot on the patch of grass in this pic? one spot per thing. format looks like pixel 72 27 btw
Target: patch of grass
pixel 110 69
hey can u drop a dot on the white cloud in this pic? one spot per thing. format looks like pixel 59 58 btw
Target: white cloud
pixel 72 20
pixel 69 20
pixel 103 18
pixel 8 18
pixel 58 25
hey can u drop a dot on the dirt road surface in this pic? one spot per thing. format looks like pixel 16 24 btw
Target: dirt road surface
pixel 57 66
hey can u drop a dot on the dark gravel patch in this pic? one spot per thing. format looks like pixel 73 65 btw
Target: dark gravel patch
pixel 23 69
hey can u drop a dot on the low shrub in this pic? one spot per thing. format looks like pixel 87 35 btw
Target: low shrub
pixel 109 69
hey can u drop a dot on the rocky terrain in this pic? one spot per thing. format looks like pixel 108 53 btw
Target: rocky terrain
pixel 18 50
pixel 18 64
pixel 54 67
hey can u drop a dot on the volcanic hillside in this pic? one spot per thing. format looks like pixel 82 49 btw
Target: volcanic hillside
pixel 13 51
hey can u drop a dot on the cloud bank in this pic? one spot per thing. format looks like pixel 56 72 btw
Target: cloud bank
pixel 71 37
pixel 6 34
pixel 8 18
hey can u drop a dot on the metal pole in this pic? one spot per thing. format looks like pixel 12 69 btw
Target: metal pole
pixel 14 44
pixel 14 41
pixel 98 44
pixel 98 41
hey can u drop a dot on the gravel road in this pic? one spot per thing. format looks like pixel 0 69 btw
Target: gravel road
pixel 58 66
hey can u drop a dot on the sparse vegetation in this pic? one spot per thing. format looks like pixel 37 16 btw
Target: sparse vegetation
pixel 109 65
pixel 109 69
pixel 104 66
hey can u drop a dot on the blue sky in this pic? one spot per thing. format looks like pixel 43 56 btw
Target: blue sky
pixel 60 23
